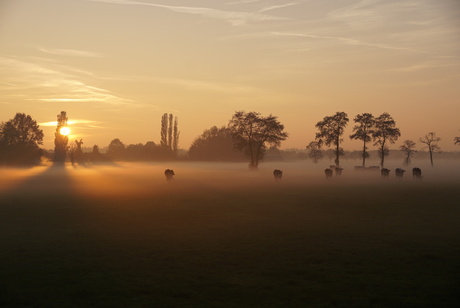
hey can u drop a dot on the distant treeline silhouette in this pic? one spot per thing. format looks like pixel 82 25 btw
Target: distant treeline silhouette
pixel 248 136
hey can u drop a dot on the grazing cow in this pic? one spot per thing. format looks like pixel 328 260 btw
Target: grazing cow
pixel 169 174
pixel 328 173
pixel 338 171
pixel 278 174
pixel 385 172
pixel 417 173
pixel 399 172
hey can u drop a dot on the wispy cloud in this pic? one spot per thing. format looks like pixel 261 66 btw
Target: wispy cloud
pixel 275 7
pixel 71 122
pixel 242 2
pixel 426 66
pixel 344 40
pixel 70 52
pixel 47 82
pixel 232 17
pixel 204 85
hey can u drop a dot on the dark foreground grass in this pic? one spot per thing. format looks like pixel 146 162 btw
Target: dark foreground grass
pixel 320 246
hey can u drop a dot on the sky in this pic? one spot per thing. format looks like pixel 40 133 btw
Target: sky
pixel 116 66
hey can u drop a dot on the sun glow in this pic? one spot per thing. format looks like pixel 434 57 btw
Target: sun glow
pixel 64 131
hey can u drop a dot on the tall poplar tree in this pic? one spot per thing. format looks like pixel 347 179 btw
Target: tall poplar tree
pixel 60 140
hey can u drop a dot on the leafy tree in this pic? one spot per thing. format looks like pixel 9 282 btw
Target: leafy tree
pixel 60 140
pixel 363 130
pixel 135 152
pixel 252 133
pixel 330 131
pixel 214 144
pixel 20 138
pixel 431 141
pixel 408 148
pixel 116 149
pixel 314 151
pixel 385 132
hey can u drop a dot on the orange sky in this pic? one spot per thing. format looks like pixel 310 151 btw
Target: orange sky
pixel 116 66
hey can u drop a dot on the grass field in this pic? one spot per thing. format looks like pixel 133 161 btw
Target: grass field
pixel 222 236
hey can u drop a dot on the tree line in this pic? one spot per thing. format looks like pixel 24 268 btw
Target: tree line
pixel 247 136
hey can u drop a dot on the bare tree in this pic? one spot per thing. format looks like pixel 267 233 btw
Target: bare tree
pixel 314 151
pixel 457 140
pixel 385 132
pixel 60 140
pixel 408 148
pixel 431 141
pixel 330 131
pixel 252 133
pixel 363 130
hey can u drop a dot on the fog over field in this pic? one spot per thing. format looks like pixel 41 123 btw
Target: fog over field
pixel 220 235
pixel 127 178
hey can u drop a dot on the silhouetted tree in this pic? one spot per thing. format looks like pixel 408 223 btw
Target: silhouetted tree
pixel 330 130
pixel 60 141
pixel 116 149
pixel 252 133
pixel 170 130
pixel 408 148
pixel 385 131
pixel 169 133
pixel 96 150
pixel 314 151
pixel 135 152
pixel 457 140
pixel 214 144
pixel 175 137
pixel 20 138
pixel 363 130
pixel 164 131
pixel 431 141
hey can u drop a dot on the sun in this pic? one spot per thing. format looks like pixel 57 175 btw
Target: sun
pixel 64 131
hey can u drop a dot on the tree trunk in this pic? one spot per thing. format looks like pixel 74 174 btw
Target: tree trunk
pixel 337 154
pixel 431 157
pixel 364 154
pixel 382 157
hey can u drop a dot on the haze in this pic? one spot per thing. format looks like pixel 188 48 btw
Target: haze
pixel 116 66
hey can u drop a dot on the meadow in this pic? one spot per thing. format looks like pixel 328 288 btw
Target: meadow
pixel 220 235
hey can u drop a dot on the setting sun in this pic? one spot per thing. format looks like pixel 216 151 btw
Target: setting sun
pixel 64 131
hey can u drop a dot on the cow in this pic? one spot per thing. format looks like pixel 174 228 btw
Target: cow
pixel 278 174
pixel 169 173
pixel 399 172
pixel 328 173
pixel 385 172
pixel 417 173
pixel 338 171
